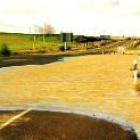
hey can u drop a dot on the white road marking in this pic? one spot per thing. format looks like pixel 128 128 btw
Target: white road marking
pixel 14 118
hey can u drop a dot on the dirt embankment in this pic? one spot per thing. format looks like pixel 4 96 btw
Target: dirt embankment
pixel 27 60
pixel 39 59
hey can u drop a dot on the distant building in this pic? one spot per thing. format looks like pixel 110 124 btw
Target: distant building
pixel 84 39
pixel 105 37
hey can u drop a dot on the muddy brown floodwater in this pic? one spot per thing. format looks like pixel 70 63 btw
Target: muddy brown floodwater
pixel 101 84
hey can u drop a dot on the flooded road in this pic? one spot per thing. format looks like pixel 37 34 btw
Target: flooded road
pixel 99 83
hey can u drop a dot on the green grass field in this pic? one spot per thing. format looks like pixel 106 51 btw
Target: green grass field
pixel 17 42
pixel 22 43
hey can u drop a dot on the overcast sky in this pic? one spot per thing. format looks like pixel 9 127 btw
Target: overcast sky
pixel 89 17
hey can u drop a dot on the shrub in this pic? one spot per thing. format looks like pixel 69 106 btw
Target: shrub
pixel 103 43
pixel 136 45
pixel 5 51
pixel 62 48
pixel 41 51
pixel 15 53
pixel 128 38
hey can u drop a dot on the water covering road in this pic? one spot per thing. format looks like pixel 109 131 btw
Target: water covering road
pixel 99 83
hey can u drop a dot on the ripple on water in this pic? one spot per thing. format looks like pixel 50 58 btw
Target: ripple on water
pixel 80 82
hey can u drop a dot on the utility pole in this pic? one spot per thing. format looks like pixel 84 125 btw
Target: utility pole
pixel 34 42
pixel 34 37
pixel 43 33
pixel 65 46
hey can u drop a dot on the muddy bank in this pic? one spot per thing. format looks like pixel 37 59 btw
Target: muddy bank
pixel 55 125
pixel 39 59
pixel 27 60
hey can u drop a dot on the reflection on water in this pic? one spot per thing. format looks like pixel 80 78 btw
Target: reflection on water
pixel 99 83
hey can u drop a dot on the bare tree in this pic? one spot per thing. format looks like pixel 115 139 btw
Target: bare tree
pixel 47 29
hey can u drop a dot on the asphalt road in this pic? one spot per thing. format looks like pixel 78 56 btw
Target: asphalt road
pixel 44 125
